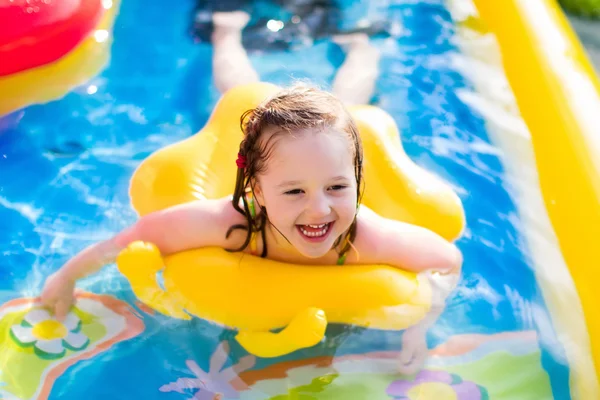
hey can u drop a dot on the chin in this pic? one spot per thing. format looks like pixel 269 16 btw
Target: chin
pixel 314 253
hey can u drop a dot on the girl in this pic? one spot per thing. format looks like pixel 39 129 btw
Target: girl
pixel 296 200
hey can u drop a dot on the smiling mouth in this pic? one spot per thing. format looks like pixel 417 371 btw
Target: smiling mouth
pixel 315 232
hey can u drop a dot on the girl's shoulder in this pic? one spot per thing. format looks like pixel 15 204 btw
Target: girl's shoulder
pixel 231 217
pixel 210 221
pixel 229 213
pixel 368 237
pixel 220 210
pixel 381 240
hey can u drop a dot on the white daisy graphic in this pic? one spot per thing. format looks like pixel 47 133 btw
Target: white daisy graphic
pixel 49 337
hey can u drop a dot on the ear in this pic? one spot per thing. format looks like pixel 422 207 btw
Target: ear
pixel 258 193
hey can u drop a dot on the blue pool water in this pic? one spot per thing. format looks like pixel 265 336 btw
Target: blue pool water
pixel 65 169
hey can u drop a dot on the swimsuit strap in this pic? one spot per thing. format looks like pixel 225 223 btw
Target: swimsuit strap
pixel 253 236
pixel 342 258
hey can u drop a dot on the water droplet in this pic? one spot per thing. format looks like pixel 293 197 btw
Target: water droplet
pixel 274 25
pixel 101 35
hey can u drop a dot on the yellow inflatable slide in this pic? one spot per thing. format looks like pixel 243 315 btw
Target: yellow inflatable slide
pixel 553 159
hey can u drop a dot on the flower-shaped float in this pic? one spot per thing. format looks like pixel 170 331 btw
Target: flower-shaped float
pixel 439 385
pixel 49 337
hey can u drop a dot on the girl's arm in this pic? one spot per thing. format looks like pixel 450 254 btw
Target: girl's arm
pixel 407 246
pixel 416 249
pixel 191 225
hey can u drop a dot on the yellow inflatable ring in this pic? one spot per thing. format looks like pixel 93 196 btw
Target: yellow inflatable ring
pixel 257 296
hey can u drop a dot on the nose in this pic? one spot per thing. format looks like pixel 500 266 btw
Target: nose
pixel 318 206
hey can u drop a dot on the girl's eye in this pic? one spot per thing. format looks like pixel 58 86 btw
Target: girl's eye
pixel 339 187
pixel 293 192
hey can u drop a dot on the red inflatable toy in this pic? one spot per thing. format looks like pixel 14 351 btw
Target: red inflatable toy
pixel 38 32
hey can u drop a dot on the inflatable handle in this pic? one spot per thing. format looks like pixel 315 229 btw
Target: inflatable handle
pixel 143 279
pixel 305 330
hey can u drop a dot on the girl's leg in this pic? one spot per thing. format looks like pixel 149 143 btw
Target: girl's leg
pixel 231 66
pixel 355 80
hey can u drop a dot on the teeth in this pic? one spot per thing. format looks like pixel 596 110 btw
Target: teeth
pixel 315 234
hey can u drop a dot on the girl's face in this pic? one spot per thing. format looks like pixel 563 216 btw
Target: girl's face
pixel 309 189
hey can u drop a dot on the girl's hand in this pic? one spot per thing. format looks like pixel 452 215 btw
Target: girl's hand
pixel 57 294
pixel 414 351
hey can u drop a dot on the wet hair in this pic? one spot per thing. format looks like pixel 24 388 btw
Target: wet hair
pixel 290 110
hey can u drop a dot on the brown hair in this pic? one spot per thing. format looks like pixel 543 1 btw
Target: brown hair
pixel 296 108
